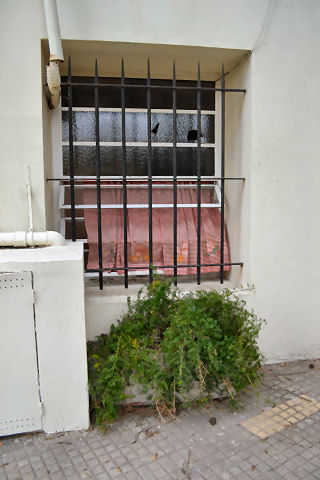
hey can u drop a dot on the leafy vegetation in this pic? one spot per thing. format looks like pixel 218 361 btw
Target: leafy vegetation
pixel 169 342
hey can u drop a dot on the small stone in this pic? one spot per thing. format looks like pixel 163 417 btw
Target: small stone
pixel 311 365
pixel 213 420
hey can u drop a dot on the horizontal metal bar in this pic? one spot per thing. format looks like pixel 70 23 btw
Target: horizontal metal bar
pixel 167 266
pixel 142 205
pixel 86 185
pixel 140 110
pixel 138 144
pixel 116 274
pixel 166 87
pixel 79 178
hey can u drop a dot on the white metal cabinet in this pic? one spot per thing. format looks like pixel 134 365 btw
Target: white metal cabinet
pixel 20 408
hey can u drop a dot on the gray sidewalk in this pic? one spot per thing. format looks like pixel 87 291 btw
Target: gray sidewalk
pixel 143 447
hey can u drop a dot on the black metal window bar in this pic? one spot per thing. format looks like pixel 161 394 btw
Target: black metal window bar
pixel 96 86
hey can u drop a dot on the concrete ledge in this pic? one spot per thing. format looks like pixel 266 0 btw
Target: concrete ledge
pixel 104 307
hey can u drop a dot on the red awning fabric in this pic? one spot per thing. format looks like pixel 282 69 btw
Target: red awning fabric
pixel 162 227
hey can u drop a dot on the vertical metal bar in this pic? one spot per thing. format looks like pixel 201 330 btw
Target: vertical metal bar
pixel 71 158
pixel 149 170
pixel 97 132
pixel 198 177
pixel 124 176
pixel 174 171
pixel 223 107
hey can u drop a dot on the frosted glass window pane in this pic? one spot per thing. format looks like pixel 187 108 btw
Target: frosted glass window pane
pixel 136 127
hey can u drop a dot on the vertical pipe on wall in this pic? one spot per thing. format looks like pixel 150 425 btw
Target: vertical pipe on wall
pixel 55 49
pixel 53 30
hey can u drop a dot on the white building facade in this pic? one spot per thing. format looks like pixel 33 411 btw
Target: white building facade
pixel 270 49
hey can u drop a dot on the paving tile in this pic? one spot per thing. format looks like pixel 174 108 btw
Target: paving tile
pixel 242 476
pixel 29 476
pixel 132 476
pixel 225 451
pixel 272 475
pixel 159 473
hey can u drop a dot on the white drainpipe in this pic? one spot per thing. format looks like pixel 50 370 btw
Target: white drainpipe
pixel 56 53
pixel 31 239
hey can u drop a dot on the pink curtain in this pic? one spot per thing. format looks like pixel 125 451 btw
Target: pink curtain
pixel 162 227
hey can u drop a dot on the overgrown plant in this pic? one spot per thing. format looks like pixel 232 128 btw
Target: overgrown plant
pixel 170 342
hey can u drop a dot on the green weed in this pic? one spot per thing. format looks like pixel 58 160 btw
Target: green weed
pixel 169 340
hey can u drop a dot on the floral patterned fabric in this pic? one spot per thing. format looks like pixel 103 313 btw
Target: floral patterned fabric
pixel 162 222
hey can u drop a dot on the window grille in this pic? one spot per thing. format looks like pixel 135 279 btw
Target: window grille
pixel 200 171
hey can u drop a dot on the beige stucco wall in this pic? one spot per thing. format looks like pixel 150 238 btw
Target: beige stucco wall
pixel 284 224
pixel 209 23
pixel 272 135
pixel 272 140
pixel 21 26
pixel 238 164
